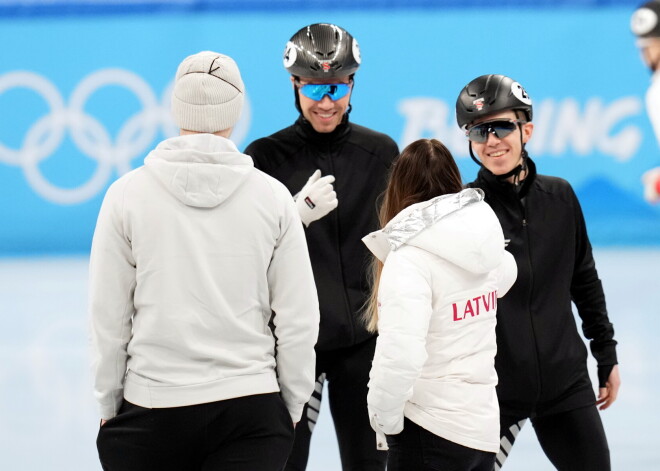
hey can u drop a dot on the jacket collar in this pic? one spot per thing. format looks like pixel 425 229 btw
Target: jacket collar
pixel 503 186
pixel 307 132
pixel 417 218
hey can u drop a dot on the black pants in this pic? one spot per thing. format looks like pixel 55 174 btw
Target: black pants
pixel 415 448
pixel 572 441
pixel 242 434
pixel 347 373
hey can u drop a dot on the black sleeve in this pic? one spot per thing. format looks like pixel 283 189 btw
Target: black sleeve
pixel 256 150
pixel 392 152
pixel 589 298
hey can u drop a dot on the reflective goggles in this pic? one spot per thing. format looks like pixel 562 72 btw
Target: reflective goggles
pixel 501 128
pixel 316 91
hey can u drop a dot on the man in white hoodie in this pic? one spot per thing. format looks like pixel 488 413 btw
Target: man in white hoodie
pixel 193 254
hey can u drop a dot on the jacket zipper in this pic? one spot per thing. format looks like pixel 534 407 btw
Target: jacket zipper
pixel 529 299
pixel 347 305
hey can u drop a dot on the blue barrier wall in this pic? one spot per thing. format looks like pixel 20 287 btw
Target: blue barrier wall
pixel 84 97
pixel 96 7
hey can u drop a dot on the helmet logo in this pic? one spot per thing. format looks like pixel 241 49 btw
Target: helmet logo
pixel 325 65
pixel 479 103
pixel 356 52
pixel 643 21
pixel 290 54
pixel 520 93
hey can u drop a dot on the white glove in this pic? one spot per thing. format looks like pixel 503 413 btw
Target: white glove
pixel 651 180
pixel 317 198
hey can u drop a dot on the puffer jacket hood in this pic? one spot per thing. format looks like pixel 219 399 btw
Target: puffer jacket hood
pixel 458 227
pixel 201 170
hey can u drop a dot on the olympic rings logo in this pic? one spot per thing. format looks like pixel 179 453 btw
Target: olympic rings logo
pixel 91 137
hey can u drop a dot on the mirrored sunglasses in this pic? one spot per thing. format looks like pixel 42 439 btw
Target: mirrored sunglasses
pixel 316 91
pixel 500 128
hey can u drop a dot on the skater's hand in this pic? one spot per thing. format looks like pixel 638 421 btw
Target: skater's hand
pixel 651 180
pixel 607 395
pixel 317 198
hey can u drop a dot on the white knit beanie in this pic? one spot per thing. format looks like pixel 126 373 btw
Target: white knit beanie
pixel 208 93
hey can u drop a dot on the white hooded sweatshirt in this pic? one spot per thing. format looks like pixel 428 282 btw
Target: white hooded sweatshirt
pixel 444 268
pixel 191 254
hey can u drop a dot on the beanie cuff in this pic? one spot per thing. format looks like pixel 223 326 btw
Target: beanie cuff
pixel 207 118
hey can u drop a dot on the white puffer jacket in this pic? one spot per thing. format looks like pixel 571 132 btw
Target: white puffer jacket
pixel 445 267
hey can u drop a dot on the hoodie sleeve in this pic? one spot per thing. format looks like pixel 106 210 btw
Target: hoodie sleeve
pixel 111 288
pixel 404 314
pixel 294 302
pixel 507 272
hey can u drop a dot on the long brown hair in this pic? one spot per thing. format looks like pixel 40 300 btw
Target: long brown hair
pixel 425 169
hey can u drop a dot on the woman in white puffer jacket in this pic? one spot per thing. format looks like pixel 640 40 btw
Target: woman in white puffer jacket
pixel 441 265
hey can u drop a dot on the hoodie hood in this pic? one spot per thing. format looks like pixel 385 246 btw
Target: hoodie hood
pixel 459 227
pixel 201 170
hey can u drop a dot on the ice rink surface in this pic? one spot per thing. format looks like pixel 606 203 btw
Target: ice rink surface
pixel 48 418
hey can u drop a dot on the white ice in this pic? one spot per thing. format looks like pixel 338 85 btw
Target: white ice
pixel 48 418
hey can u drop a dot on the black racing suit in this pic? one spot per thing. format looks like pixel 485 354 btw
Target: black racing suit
pixel 359 159
pixel 541 360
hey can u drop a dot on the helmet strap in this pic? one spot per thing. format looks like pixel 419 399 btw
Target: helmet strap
pixel 351 78
pixel 517 170
pixel 295 95
pixel 477 161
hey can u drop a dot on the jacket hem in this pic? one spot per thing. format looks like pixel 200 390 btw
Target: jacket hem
pixel 470 442
pixel 153 395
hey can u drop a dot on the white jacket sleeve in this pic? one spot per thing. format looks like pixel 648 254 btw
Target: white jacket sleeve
pixel 404 314
pixel 294 301
pixel 111 288
pixel 507 272
pixel 653 104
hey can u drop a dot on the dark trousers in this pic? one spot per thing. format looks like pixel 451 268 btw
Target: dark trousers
pixel 242 434
pixel 415 448
pixel 347 373
pixel 573 441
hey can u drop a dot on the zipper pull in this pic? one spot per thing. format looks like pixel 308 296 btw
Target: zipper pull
pixel 524 222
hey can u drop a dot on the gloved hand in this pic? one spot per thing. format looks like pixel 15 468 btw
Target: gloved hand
pixel 651 180
pixel 317 198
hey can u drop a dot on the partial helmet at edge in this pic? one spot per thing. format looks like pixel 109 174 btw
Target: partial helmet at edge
pixel 322 50
pixel 491 94
pixel 645 21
